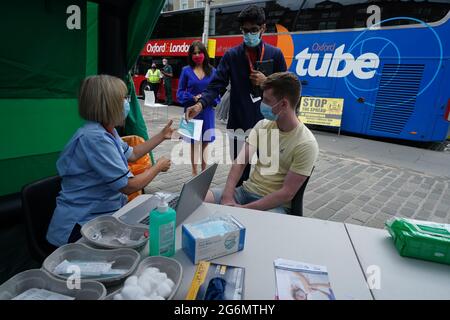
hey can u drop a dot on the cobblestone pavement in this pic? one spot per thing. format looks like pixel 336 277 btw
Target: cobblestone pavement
pixel 344 189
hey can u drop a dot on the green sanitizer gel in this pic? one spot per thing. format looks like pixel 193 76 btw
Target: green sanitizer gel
pixel 162 229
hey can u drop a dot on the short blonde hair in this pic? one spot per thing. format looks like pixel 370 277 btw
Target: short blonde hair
pixel 101 100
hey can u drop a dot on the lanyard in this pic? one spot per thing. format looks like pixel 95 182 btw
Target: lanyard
pixel 260 59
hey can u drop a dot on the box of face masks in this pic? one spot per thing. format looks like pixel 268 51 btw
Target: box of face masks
pixel 212 237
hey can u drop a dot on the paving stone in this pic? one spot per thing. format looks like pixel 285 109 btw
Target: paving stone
pixel 423 215
pixel 336 205
pixel 428 206
pixel 420 194
pixel 376 204
pixel 316 204
pixel 370 209
pixel 345 198
pixel 353 221
pixel 362 216
pixel 345 186
pixel 364 198
pixel 341 215
pixel 389 210
pixel 324 213
pixel 441 214
pixel 407 212
pixel 375 223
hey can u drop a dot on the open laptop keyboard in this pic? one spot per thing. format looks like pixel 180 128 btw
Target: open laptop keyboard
pixel 172 203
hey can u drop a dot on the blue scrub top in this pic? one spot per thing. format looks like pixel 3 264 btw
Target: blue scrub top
pixel 93 167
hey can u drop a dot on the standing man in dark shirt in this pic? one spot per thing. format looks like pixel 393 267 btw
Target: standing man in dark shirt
pixel 167 80
pixel 238 67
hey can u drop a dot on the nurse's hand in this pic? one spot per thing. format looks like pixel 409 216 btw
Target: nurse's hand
pixel 193 111
pixel 163 164
pixel 167 131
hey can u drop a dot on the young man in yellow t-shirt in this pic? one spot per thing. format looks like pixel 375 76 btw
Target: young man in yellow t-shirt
pixel 287 151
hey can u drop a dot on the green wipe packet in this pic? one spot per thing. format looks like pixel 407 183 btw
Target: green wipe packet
pixel 421 239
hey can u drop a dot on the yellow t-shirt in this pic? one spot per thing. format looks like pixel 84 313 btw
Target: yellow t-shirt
pixel 294 151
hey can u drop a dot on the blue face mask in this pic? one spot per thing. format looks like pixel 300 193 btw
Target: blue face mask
pixel 252 39
pixel 126 108
pixel 266 111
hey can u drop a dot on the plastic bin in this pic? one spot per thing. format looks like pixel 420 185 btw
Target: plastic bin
pixel 170 266
pixel 123 259
pixel 110 228
pixel 40 279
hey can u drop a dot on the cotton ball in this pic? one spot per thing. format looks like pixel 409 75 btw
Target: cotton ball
pixel 118 297
pixel 147 285
pixel 132 292
pixel 150 271
pixel 143 298
pixel 164 290
pixel 160 277
pixel 155 297
pixel 131 281
pixel 170 283
pixel 153 280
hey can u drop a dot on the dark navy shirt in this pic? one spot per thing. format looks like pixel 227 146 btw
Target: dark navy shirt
pixel 234 67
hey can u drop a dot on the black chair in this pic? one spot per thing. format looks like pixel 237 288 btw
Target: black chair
pixel 38 204
pixel 297 202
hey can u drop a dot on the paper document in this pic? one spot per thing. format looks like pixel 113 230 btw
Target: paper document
pixel 191 129
pixel 301 281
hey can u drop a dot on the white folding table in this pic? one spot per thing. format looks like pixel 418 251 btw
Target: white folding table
pixel 270 236
pixel 399 277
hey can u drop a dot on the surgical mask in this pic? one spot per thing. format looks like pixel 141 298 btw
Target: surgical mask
pixel 252 39
pixel 210 228
pixel 198 59
pixel 266 111
pixel 126 108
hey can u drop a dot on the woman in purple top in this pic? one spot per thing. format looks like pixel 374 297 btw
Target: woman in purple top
pixel 193 80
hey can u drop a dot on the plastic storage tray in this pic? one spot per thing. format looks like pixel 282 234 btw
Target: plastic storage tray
pixel 170 266
pixel 123 259
pixel 110 228
pixel 40 279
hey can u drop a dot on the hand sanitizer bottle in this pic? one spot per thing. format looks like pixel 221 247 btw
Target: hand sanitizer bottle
pixel 162 229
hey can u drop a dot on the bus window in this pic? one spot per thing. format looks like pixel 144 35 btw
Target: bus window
pixel 282 12
pixel 348 14
pixel 143 64
pixel 226 20
pixel 179 24
pixel 428 11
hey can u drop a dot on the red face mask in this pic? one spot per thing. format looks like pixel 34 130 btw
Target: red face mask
pixel 198 59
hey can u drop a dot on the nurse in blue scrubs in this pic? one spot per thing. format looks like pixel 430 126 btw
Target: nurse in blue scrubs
pixel 94 163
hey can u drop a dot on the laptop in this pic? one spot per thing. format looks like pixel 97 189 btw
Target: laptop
pixel 191 197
